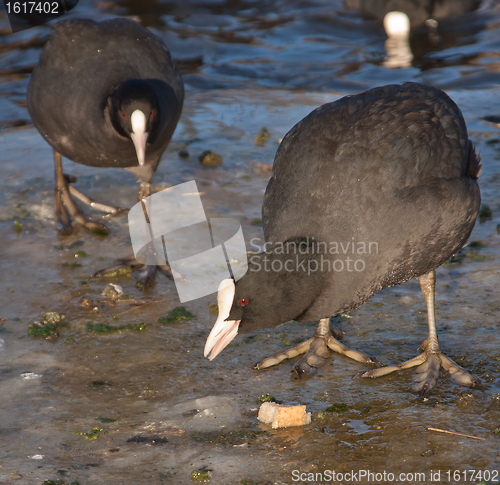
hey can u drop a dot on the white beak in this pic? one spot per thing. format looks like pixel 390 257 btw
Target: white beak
pixel 139 135
pixel 223 331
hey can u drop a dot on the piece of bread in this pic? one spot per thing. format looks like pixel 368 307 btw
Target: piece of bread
pixel 283 416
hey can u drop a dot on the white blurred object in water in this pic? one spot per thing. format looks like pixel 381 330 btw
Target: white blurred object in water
pixel 397 46
pixel 207 413
pixel 30 375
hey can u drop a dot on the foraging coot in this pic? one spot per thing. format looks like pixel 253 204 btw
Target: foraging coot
pixel 367 192
pixel 105 94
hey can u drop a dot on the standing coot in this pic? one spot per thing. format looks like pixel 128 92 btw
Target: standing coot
pixel 105 94
pixel 367 192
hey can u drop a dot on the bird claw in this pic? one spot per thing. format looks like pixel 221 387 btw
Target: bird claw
pixel 96 227
pixel 145 275
pixel 301 367
pixel 427 369
pixel 317 350
pixel 426 375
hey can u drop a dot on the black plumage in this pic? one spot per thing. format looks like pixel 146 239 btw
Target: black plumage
pixel 392 167
pixel 91 79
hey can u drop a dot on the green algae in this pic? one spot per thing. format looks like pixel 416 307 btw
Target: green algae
pixel 336 408
pixel 93 434
pixel 73 245
pixel 59 482
pixel 261 138
pixel 285 340
pixel 229 438
pixel 105 328
pixel 485 213
pixel 253 338
pixel 176 315
pixel 471 251
pixel 48 327
pixel 105 420
pixel 152 440
pixel 123 271
pixel 476 245
pixel 267 398
pixel 100 384
pixel 200 475
pixel 100 232
pixel 209 158
pixel 71 265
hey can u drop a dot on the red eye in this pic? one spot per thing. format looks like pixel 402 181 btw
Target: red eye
pixel 243 302
pixel 123 116
pixel 152 113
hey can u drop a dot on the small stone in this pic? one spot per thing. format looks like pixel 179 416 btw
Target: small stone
pixel 112 292
pixel 53 317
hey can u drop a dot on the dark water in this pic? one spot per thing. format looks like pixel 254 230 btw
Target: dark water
pixel 246 65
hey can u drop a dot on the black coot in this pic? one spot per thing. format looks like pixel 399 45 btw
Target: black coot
pixel 418 11
pixel 367 192
pixel 105 94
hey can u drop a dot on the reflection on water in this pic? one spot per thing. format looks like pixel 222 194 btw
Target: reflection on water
pixel 397 46
pixel 311 45
pixel 251 68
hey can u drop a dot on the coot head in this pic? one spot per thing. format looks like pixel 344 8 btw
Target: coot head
pixel 273 291
pixel 134 113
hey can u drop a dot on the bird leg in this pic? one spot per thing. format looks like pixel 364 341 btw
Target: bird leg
pixel 432 358
pixel 146 273
pixel 109 209
pixel 317 350
pixel 144 191
pixel 64 204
